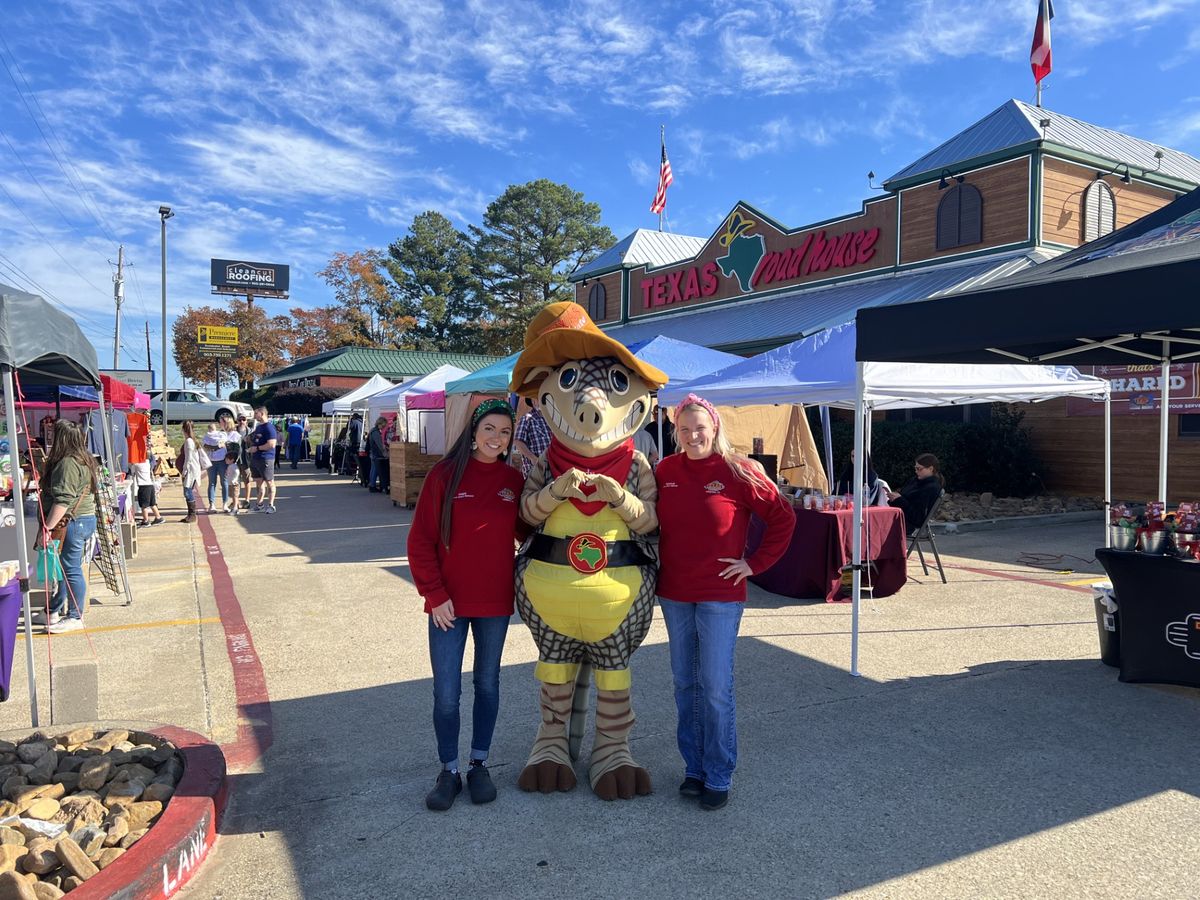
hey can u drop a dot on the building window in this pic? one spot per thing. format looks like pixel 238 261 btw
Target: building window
pixel 1189 425
pixel 960 217
pixel 597 302
pixel 1099 211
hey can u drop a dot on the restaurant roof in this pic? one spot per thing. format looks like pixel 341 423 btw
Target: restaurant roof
pixel 367 361
pixel 644 246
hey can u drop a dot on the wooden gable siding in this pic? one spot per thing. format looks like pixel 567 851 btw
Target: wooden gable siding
pixel 1063 187
pixel 612 295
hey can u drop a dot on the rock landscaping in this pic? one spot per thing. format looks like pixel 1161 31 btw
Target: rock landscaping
pixel 74 803
pixel 972 507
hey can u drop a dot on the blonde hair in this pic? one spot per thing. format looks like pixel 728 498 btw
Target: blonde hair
pixel 749 470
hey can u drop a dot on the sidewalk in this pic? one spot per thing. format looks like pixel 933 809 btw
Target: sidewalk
pixel 985 750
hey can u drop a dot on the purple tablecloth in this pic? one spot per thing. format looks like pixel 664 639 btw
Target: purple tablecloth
pixel 10 611
pixel 822 544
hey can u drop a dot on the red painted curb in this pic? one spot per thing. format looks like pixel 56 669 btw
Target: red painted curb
pixel 171 852
pixel 255 729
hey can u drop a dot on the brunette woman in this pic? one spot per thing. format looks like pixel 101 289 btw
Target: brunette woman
pixel 191 471
pixel 69 482
pixel 461 553
pixel 706 493
pixel 917 497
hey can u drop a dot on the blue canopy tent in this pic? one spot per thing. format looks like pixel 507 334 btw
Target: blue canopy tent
pixel 491 379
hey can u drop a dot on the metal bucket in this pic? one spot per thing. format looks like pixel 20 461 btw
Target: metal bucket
pixel 1154 541
pixel 1123 538
pixel 1180 538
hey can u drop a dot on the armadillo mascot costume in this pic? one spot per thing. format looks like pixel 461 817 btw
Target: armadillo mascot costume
pixel 585 580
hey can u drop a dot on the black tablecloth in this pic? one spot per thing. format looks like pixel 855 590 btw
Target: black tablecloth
pixel 1159 602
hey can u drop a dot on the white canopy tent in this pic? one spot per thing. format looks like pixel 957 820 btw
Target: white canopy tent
pixel 393 400
pixel 342 405
pixel 821 369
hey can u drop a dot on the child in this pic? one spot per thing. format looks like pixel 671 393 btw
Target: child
pixel 233 482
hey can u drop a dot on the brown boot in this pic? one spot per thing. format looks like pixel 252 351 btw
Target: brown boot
pixel 191 512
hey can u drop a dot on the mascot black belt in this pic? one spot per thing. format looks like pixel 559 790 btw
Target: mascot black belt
pixel 586 552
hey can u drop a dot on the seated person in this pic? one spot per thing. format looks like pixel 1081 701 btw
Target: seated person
pixel 873 495
pixel 922 491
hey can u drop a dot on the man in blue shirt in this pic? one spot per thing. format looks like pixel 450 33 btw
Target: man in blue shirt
pixel 263 439
pixel 295 440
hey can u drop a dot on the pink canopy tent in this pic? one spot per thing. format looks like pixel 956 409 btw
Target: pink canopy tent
pixel 432 400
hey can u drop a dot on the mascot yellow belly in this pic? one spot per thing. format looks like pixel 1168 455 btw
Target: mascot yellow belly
pixel 585 607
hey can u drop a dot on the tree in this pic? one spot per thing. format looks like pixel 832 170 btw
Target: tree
pixel 436 291
pixel 361 285
pixel 326 328
pixel 263 343
pixel 190 364
pixel 534 236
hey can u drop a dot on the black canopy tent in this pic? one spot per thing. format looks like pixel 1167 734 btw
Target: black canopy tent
pixel 1130 296
pixel 39 345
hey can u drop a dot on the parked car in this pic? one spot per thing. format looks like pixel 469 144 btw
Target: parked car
pixel 194 405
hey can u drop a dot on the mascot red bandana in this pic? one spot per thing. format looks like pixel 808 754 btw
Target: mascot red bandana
pixel 616 464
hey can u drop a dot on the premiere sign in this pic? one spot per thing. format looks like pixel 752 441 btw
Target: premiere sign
pixel 233 276
pixel 222 335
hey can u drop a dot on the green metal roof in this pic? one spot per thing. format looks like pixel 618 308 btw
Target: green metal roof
pixel 367 361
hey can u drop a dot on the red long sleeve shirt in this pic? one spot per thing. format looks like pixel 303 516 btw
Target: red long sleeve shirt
pixel 704 512
pixel 476 572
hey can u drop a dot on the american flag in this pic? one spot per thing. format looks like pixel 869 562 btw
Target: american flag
pixel 665 178
pixel 1039 53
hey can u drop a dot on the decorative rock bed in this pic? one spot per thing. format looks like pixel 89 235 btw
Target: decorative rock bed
pixel 970 507
pixel 74 803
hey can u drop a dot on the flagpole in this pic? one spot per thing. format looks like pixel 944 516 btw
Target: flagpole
pixel 662 146
pixel 1039 98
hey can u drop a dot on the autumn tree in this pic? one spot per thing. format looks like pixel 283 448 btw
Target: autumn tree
pixel 534 236
pixel 326 328
pixel 432 269
pixel 361 285
pixel 263 343
pixel 188 361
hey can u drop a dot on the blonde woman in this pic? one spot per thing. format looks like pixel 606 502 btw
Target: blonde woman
pixel 706 494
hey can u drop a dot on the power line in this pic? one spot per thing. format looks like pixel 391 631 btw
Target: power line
pixel 75 182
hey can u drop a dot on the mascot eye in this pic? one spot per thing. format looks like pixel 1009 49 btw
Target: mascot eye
pixel 567 378
pixel 619 380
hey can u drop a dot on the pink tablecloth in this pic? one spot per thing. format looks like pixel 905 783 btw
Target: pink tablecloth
pixel 821 544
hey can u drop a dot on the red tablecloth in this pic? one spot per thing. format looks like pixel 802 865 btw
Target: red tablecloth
pixel 821 545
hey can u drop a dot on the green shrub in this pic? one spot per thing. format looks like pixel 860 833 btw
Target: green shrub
pixel 305 401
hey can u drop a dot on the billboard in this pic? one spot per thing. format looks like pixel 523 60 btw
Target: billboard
pixel 230 276
pixel 224 335
pixel 140 379
pixel 1138 389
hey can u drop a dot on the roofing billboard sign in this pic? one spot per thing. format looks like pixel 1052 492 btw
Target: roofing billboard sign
pixel 238 277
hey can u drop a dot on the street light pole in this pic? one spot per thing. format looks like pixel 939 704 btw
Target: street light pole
pixel 164 213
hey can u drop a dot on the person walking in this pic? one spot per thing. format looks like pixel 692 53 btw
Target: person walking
pixel 378 453
pixel 706 495
pixel 69 479
pixel 295 441
pixel 461 554
pixel 263 439
pixel 190 471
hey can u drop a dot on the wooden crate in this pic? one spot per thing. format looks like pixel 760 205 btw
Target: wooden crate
pixel 412 488
pixel 396 460
pixel 417 462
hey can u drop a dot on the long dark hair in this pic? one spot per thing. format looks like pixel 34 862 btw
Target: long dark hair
pixel 69 443
pixel 929 461
pixel 457 458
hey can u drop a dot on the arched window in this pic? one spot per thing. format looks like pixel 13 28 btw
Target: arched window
pixel 960 217
pixel 597 302
pixel 1099 211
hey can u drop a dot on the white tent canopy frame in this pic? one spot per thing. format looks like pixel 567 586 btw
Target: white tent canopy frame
pixel 341 407
pixel 393 399
pixel 821 369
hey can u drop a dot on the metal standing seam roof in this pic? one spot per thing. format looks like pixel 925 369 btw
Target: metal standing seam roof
pixel 366 361
pixel 790 316
pixel 644 246
pixel 1016 123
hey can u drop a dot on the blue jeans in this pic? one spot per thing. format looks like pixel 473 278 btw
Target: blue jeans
pixel 702 640
pixel 376 472
pixel 446 650
pixel 189 494
pixel 216 475
pixel 71 596
pixel 293 452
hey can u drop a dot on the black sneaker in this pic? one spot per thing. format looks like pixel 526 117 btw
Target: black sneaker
pixel 449 786
pixel 479 785
pixel 711 799
pixel 691 787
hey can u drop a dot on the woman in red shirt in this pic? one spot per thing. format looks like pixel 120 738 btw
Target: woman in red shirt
pixel 461 553
pixel 706 493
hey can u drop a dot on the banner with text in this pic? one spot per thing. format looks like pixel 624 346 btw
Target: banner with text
pixel 1137 389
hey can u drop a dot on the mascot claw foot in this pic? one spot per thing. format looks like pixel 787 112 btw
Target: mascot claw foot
pixel 547 777
pixel 624 783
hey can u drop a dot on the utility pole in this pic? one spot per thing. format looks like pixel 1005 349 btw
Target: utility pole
pixel 149 362
pixel 118 297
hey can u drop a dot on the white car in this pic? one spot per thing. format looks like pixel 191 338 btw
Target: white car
pixel 194 405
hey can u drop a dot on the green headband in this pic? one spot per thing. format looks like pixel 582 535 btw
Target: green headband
pixel 487 407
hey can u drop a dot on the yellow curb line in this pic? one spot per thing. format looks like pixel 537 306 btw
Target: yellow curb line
pixel 1095 579
pixel 209 620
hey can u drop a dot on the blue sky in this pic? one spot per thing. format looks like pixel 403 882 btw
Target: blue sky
pixel 288 134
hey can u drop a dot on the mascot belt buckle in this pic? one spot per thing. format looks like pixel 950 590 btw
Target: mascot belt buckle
pixel 587 553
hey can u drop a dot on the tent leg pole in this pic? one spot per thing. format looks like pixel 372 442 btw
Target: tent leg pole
pixel 1107 470
pixel 14 455
pixel 661 452
pixel 856 554
pixel 1164 424
pixel 827 436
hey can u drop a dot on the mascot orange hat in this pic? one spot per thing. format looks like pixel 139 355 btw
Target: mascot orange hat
pixel 564 331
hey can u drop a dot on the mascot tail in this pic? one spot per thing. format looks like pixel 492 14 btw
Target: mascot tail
pixel 579 709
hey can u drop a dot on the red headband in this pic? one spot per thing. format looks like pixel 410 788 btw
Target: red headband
pixel 695 400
